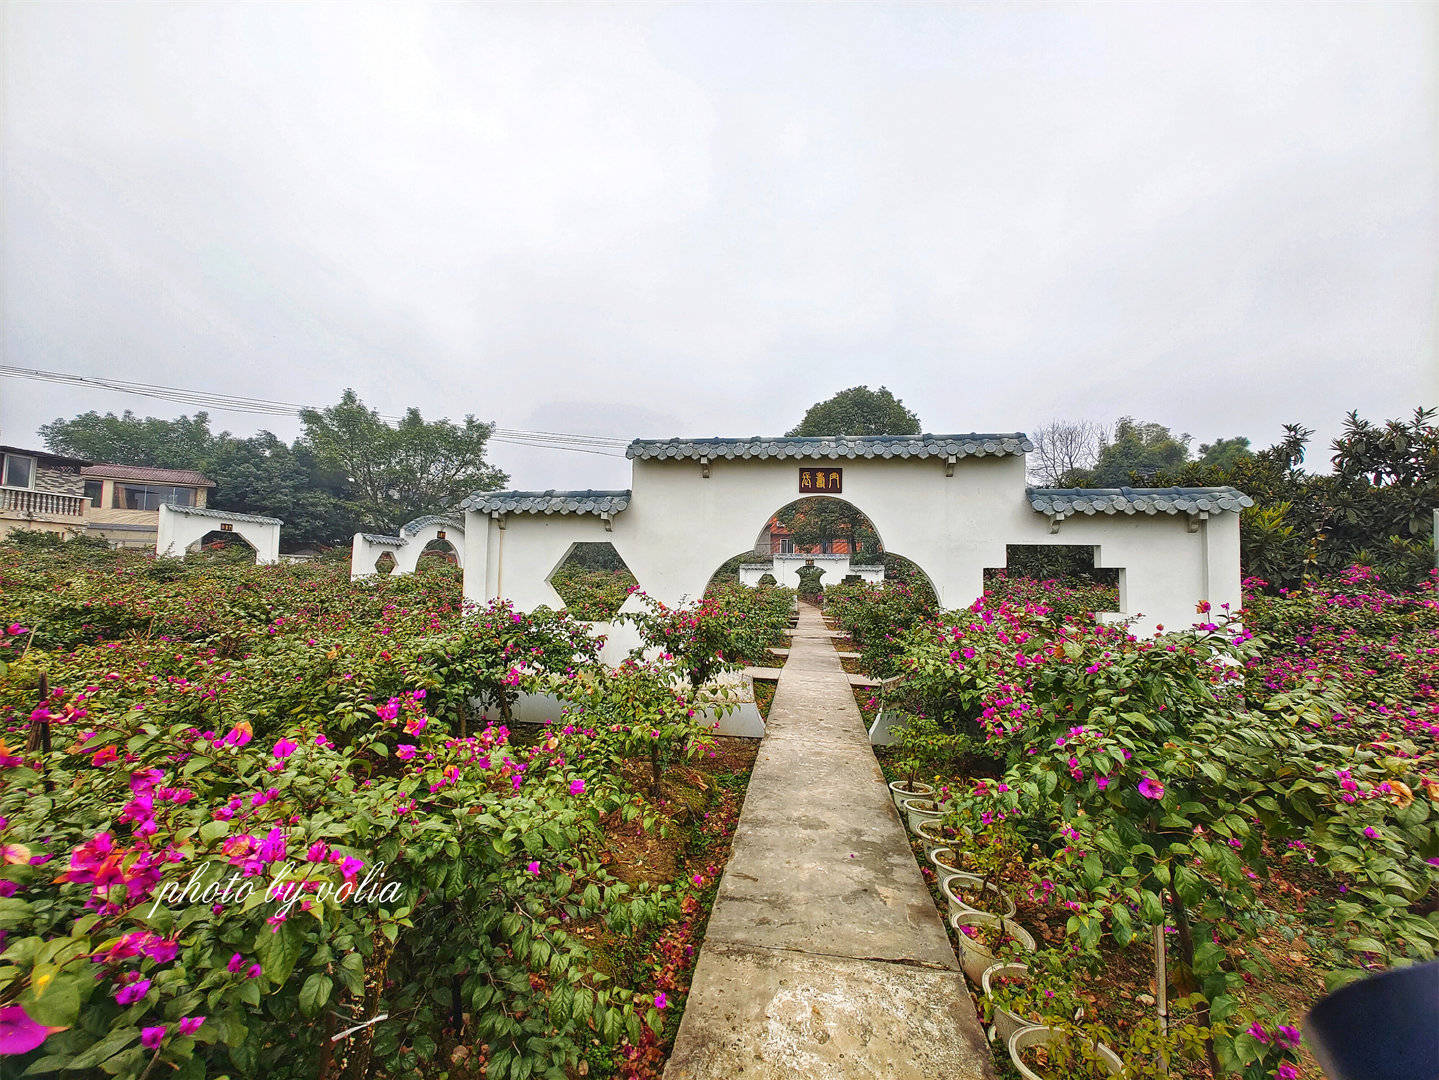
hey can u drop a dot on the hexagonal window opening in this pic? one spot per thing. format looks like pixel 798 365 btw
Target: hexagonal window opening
pixel 592 580
pixel 385 564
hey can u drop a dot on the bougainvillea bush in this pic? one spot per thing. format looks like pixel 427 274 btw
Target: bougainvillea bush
pixel 255 822
pixel 1226 781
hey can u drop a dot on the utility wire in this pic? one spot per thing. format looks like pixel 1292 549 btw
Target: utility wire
pixel 604 446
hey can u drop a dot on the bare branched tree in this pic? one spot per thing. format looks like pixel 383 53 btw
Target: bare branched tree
pixel 1061 447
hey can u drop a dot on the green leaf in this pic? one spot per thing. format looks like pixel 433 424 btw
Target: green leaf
pixel 315 992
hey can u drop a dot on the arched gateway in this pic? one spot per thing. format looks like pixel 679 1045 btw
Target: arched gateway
pixel 951 503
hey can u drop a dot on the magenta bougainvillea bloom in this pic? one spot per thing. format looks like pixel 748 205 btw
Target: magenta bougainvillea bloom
pixel 190 1024
pixel 1151 788
pixel 577 787
pixel 151 1037
pixel 19 1034
pixel 660 1000
pixel 128 995
pixel 533 868
pixel 405 751
pixel 284 748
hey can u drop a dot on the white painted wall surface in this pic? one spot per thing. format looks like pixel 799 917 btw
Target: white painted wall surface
pixel 176 531
pixel 680 526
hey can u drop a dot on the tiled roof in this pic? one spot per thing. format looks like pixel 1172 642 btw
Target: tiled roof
pixel 587 501
pixel 409 528
pixel 383 540
pixel 838 446
pixel 1126 500
pixel 222 515
pixel 146 474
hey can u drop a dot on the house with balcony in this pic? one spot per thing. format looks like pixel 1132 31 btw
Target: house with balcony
pixel 43 491
pixel 125 500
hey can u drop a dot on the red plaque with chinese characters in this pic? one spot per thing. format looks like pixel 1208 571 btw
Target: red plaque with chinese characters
pixel 821 481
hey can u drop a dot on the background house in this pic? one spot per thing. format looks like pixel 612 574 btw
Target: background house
pixel 41 490
pixel 125 500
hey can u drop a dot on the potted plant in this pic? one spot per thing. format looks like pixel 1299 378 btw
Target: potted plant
pixel 948 860
pixel 973 892
pixel 1028 995
pixel 915 811
pixel 985 940
pixel 1061 1053
pixel 909 788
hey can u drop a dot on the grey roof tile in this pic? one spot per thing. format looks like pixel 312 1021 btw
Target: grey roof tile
pixel 383 540
pixel 974 444
pixel 222 515
pixel 409 528
pixel 1127 500
pixel 586 501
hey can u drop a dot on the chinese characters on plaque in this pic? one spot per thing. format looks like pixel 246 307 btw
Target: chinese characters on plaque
pixel 829 481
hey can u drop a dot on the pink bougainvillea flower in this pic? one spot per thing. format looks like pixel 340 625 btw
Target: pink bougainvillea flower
pixel 405 751
pixel 1256 1031
pixel 253 972
pixel 577 787
pixel 1286 1036
pixel 284 748
pixel 350 866
pixel 14 855
pixel 1286 1071
pixel 190 1024
pixel 1150 788
pixel 236 962
pixel 151 1037
pixel 660 1000
pixel 317 852
pixel 104 755
pixel 128 995
pixel 18 1033
pixel 533 868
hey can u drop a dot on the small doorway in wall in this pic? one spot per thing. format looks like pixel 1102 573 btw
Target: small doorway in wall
pixel 593 581
pixel 438 552
pixel 222 546
pixel 1061 575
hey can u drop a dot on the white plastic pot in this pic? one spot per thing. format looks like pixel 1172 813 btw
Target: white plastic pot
pixel 1005 1023
pixel 945 861
pixel 929 835
pixel 993 902
pixel 900 790
pixel 1029 1037
pixel 916 811
pixel 973 956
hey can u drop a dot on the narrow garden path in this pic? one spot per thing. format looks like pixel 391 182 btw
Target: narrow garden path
pixel 825 956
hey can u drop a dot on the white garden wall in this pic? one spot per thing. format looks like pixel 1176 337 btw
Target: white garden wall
pixel 953 519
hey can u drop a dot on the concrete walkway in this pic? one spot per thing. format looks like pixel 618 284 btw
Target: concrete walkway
pixel 825 956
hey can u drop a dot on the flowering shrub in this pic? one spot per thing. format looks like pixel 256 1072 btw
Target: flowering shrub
pixel 730 626
pixel 1166 781
pixel 252 822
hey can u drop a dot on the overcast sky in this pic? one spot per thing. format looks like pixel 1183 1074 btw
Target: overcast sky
pixel 653 220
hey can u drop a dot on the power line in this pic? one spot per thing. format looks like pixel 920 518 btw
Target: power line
pixel 602 445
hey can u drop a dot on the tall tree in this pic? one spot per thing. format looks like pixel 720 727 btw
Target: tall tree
pixel 1224 452
pixel 183 443
pixel 858 411
pixel 397 473
pixel 1063 450
pixel 1136 451
pixel 257 475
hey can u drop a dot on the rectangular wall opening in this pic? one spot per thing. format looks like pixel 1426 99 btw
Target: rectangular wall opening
pixel 1067 570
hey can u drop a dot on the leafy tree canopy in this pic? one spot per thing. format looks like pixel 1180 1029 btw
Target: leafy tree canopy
pixel 1138 449
pixel 348 471
pixel 398 473
pixel 857 411
pixel 1224 452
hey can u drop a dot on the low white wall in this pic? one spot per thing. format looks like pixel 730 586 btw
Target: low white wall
pixel 681 526
pixel 176 531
